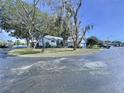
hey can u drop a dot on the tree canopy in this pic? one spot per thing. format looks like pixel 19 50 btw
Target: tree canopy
pixel 27 20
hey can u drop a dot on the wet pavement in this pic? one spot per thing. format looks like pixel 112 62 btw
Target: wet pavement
pixel 99 73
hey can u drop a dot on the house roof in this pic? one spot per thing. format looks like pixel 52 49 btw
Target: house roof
pixel 53 37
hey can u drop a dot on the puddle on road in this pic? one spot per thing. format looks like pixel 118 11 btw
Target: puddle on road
pixel 95 68
pixel 60 65
pixel 94 65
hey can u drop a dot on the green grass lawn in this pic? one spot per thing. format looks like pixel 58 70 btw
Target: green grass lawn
pixel 52 52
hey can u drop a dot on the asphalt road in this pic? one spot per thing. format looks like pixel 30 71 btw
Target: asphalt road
pixel 99 73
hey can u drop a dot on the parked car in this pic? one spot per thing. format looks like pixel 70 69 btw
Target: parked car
pixel 105 46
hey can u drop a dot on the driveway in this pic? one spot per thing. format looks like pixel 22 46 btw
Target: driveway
pixel 99 73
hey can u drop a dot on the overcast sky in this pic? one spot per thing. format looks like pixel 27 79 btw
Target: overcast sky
pixel 107 16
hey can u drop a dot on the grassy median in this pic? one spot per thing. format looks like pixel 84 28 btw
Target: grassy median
pixel 52 52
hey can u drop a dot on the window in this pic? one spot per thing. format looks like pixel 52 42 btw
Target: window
pixel 53 41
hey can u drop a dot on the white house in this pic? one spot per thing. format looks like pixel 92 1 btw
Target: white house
pixel 70 43
pixel 50 41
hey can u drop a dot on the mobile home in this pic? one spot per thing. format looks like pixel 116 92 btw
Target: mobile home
pixel 50 41
pixel 70 43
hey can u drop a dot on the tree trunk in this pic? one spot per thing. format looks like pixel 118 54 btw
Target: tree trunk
pixel 75 45
pixel 43 46
pixel 27 42
pixel 64 43
pixel 35 44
